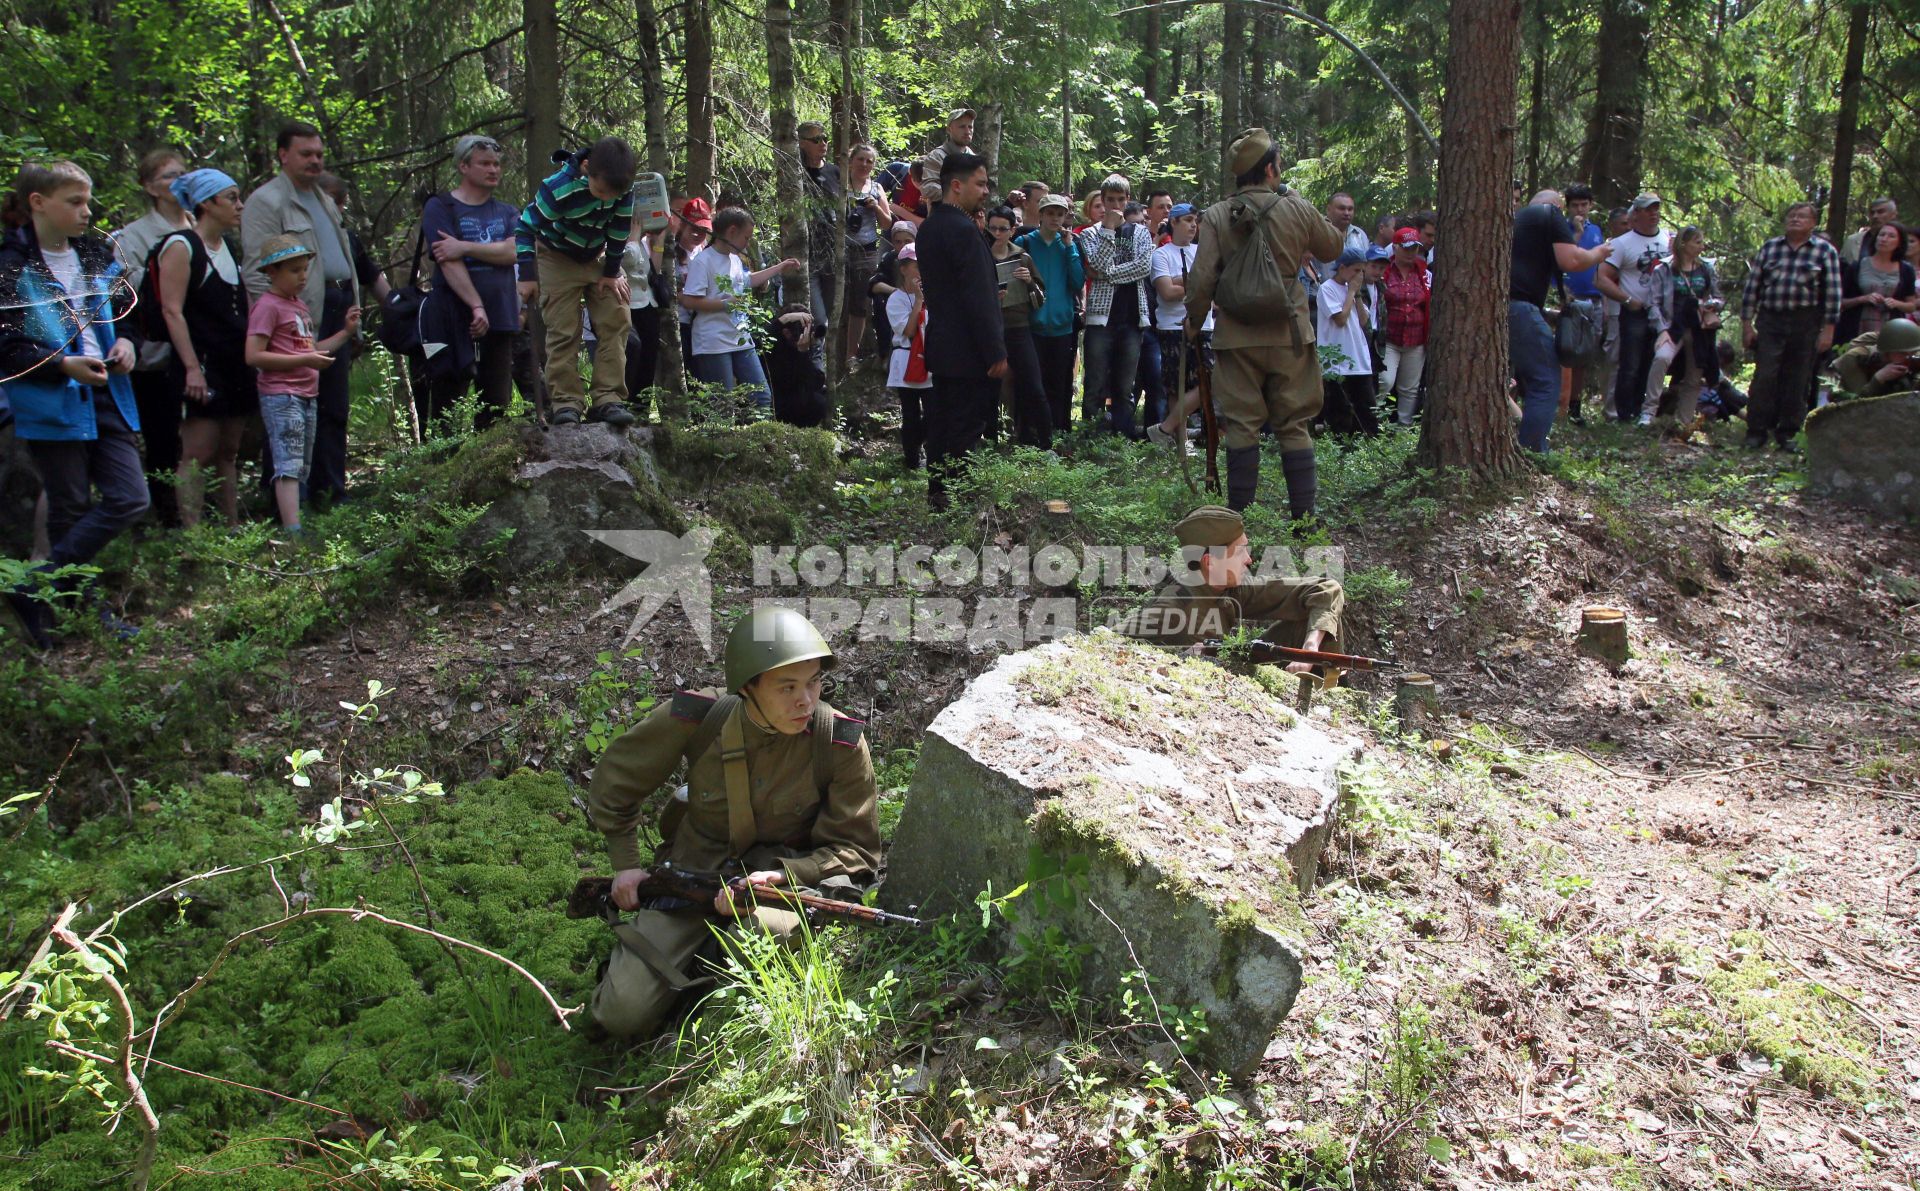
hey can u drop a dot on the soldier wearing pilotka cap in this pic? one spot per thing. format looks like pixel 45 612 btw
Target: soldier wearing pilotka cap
pixel 1217 594
pixel 1268 370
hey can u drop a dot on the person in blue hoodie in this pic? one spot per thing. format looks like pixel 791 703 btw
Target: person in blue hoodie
pixel 1062 275
pixel 65 370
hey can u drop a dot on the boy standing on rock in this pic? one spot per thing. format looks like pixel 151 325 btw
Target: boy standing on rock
pixel 568 249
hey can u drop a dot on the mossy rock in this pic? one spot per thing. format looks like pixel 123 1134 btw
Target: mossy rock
pixel 762 482
pixel 546 489
pixel 1184 838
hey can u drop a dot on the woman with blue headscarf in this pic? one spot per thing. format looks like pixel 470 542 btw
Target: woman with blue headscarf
pixel 205 307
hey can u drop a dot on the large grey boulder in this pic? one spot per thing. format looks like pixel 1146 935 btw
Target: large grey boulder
pixel 1165 813
pixel 1867 452
pixel 569 480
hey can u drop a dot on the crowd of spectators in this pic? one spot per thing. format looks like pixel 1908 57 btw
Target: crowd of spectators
pixel 141 370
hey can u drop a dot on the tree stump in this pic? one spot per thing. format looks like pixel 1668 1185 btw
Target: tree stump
pixel 1416 701
pixel 1603 634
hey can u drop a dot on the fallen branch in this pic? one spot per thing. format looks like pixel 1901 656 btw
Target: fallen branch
pixel 76 1052
pixel 122 1063
pixel 1697 774
pixel 32 808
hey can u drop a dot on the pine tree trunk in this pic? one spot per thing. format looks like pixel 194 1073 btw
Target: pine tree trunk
pixel 542 19
pixel 1066 121
pixel 1611 157
pixel 698 70
pixel 543 88
pixel 846 24
pixel 1150 80
pixel 1537 100
pixel 672 378
pixel 1847 127
pixel 1233 54
pixel 787 185
pixel 1467 423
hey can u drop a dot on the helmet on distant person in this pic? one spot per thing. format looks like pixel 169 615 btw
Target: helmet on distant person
pixel 768 638
pixel 1899 335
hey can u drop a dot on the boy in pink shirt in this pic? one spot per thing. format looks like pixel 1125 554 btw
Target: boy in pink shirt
pixel 280 344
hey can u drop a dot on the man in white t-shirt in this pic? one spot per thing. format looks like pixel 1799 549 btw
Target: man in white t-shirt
pixel 1635 275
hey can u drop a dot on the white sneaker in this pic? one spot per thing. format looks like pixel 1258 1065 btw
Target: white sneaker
pixel 1157 436
pixel 1646 418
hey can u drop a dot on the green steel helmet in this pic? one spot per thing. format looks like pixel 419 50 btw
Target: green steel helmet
pixel 767 638
pixel 1899 335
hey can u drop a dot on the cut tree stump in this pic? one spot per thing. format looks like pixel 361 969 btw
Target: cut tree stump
pixel 1416 700
pixel 1603 634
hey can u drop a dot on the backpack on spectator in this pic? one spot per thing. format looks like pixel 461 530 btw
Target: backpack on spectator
pixel 150 322
pixel 1252 287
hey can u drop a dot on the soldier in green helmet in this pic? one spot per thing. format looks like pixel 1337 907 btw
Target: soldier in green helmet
pixel 1882 362
pixel 779 784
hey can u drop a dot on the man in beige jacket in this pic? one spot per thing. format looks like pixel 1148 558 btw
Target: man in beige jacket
pixel 292 204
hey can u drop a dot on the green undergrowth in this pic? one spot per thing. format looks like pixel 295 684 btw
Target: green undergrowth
pixel 356 1016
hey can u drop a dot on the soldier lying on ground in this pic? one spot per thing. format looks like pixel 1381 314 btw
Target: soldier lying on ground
pixel 1299 612
pixel 777 782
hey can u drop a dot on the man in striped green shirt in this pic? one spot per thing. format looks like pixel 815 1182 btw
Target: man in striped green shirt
pixel 567 249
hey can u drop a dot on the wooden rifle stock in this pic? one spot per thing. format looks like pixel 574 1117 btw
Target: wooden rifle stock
pixel 592 897
pixel 1266 651
pixel 1210 425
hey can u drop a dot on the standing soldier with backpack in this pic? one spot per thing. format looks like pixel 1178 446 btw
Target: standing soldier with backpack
pixel 1251 248
pixel 778 783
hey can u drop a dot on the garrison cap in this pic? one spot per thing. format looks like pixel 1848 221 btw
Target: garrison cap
pixel 1247 150
pixel 1210 525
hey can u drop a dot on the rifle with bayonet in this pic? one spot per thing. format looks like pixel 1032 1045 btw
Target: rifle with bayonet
pixel 1268 654
pixel 592 897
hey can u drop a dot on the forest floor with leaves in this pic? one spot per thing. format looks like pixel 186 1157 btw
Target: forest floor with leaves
pixel 1583 929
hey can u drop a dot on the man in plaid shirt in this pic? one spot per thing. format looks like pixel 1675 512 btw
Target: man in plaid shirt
pixel 1119 258
pixel 1789 307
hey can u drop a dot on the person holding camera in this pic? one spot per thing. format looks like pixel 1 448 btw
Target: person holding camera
pixel 870 218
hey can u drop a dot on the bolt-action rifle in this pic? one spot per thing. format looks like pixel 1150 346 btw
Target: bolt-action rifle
pixel 592 897
pixel 1267 653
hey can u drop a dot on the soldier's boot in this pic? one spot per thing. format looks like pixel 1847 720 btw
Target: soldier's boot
pixel 1243 476
pixel 1303 486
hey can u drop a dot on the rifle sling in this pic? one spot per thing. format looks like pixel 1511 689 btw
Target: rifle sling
pixel 741 832
pixel 725 711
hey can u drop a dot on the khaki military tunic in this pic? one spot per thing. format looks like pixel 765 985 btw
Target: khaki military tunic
pixel 831 838
pixel 1285 609
pixel 1267 373
pixel 1861 360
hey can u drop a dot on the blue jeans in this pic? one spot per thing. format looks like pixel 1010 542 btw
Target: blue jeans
pixel 738 369
pixel 1536 365
pixel 1113 357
